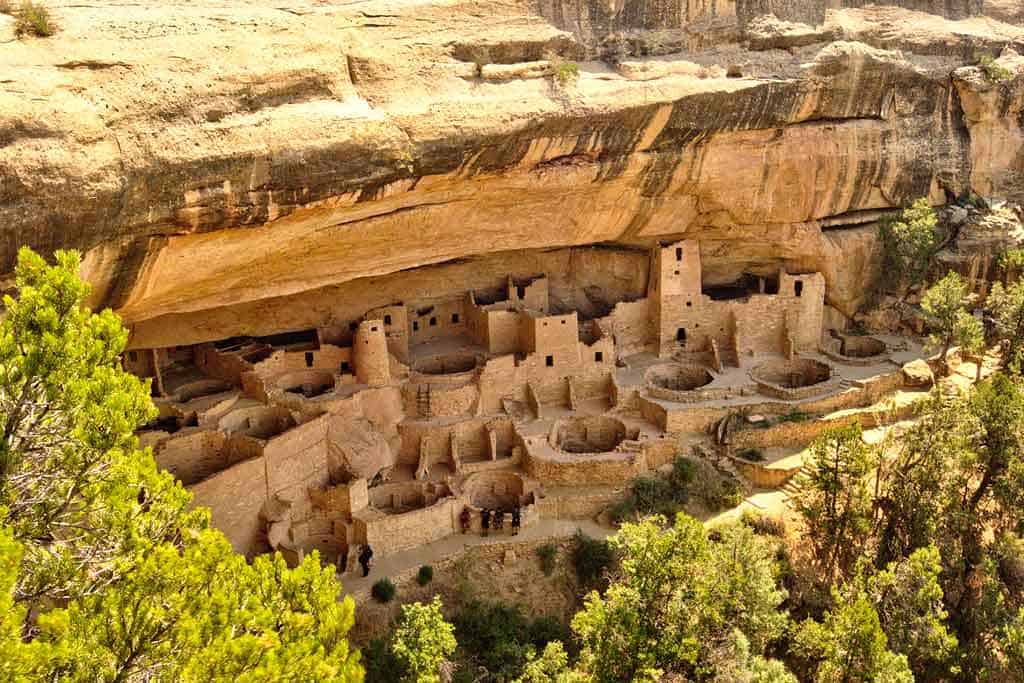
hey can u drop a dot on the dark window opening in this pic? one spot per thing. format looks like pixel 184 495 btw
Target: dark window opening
pixel 798 287
pixel 740 289
pixel 563 322
pixel 373 329
pixel 352 327
pixel 309 359
pixel 345 367
pixel 549 361
pixel 598 356
pixel 455 317
pixel 521 291
pixel 387 320
pixel 415 325
pixel 689 304
pixel 771 285
pixel 679 253
pixel 132 356
pixel 677 272
pixel 295 340
pixel 681 335
pixel 433 321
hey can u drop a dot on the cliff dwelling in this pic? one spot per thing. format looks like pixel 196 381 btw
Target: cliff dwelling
pixel 382 429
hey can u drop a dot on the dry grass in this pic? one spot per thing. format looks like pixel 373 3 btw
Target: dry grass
pixel 32 20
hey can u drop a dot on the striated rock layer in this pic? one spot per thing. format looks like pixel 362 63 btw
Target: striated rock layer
pixel 246 169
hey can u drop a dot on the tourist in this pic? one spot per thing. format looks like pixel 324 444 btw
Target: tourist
pixel 516 520
pixel 499 520
pixel 485 520
pixel 364 559
pixel 464 518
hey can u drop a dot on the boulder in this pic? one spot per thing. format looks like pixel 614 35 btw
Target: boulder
pixel 355 450
pixel 918 375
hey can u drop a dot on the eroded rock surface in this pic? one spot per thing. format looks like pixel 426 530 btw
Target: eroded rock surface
pixel 244 169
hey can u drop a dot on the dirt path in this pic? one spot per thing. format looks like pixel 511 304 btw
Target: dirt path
pixel 446 548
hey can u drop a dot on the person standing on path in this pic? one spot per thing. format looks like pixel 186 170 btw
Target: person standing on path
pixel 364 558
pixel 485 520
pixel 516 520
pixel 465 517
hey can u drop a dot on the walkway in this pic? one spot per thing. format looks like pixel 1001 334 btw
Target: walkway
pixel 456 544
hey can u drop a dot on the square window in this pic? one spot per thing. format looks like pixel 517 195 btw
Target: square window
pixel 455 317
pixel 689 304
pixel 433 322
pixel 563 322
pixel 549 361
pixel 677 272
pixel 345 367
pixel 598 356
pixel 373 329
pixel 387 320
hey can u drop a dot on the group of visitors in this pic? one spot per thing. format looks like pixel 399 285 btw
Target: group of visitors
pixel 490 517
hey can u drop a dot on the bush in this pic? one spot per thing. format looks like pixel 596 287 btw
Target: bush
pixel 591 558
pixel 382 666
pixel 33 19
pixel 793 415
pixel 653 495
pixel 751 454
pixel 499 636
pixel 425 575
pixel 547 554
pixel 993 71
pixel 764 525
pixel 383 591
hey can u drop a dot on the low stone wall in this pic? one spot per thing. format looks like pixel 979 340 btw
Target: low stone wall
pixel 763 476
pixel 587 470
pixel 803 433
pixel 580 504
pixel 389 534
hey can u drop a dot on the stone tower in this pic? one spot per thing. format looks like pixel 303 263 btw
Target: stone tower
pixel 676 291
pixel 370 353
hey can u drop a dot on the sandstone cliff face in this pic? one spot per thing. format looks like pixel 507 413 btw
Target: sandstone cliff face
pixel 238 169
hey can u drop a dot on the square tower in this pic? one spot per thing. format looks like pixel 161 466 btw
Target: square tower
pixel 675 291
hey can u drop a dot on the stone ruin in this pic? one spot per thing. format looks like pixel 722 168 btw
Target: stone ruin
pixel 383 429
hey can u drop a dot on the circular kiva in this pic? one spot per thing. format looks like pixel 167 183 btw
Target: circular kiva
pixel 595 434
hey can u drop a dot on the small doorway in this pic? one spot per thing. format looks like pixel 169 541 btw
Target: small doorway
pixel 681 336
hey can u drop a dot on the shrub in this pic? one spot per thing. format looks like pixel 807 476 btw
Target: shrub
pixel 499 636
pixel 591 558
pixel 992 71
pixel 547 554
pixel 793 415
pixel 763 524
pixel 425 575
pixel 1012 259
pixel 383 591
pixel 381 663
pixel 751 454
pixel 33 19
pixel 565 72
pixel 650 494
